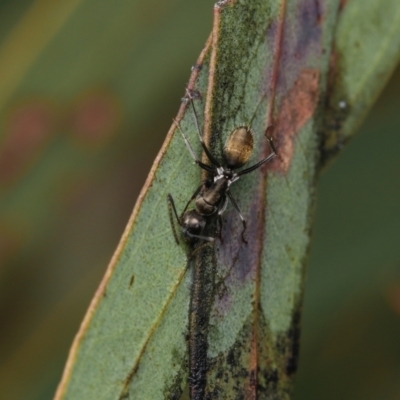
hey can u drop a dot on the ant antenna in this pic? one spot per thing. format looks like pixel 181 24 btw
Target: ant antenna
pixel 270 141
pixel 189 147
pixel 196 121
pixel 257 108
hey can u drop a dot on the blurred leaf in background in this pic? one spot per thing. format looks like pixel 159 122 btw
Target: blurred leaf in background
pixel 87 92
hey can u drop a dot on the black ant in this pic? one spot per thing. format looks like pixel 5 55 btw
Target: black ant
pixel 211 197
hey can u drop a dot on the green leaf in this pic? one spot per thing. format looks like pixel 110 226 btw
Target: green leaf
pixel 365 52
pixel 140 311
pixel 272 63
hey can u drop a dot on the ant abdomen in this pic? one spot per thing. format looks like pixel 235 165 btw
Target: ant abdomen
pixel 238 147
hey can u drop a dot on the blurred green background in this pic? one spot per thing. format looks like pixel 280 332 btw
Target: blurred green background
pixel 88 90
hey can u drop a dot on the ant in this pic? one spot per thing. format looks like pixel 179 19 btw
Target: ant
pixel 211 197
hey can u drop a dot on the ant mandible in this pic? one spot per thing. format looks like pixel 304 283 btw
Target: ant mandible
pixel 211 197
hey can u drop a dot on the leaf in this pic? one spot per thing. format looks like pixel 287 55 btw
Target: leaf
pixel 365 52
pixel 269 63
pixel 140 311
pixel 254 320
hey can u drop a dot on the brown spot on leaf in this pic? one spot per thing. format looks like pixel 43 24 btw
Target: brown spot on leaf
pixel 297 107
pixel 28 128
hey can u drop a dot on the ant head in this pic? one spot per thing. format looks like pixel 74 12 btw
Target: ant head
pixel 193 222
pixel 238 147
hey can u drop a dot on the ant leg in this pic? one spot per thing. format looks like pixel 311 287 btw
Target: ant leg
pixel 223 208
pixel 171 208
pixel 220 212
pixel 205 148
pixel 206 238
pixel 209 169
pixel 270 141
pixel 258 165
pixel 269 128
pixel 239 212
